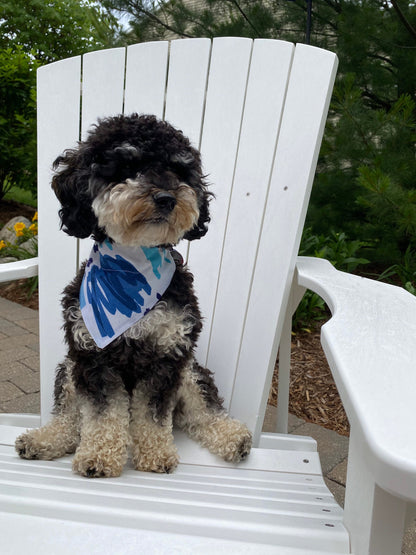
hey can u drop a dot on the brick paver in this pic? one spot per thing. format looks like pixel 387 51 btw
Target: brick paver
pixel 19 358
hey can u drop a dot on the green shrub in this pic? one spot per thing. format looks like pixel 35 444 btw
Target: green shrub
pixel 342 253
pixel 17 120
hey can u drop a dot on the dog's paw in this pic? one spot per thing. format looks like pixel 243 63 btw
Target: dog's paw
pixel 229 439
pixel 96 466
pixel 35 445
pixel 164 461
pixel 239 449
pixel 26 448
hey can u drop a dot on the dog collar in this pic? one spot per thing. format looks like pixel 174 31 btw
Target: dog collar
pixel 120 285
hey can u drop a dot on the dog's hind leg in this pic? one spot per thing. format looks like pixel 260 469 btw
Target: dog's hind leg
pixel 201 414
pixel 102 451
pixel 153 449
pixel 61 435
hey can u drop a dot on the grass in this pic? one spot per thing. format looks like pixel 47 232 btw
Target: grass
pixel 21 195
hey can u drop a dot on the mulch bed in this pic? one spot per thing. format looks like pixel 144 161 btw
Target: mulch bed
pixel 313 394
pixel 10 209
pixel 17 291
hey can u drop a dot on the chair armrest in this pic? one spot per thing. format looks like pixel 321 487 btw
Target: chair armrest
pixel 18 270
pixel 370 344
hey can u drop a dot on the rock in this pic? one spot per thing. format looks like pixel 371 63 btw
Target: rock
pixel 31 246
pixel 7 233
pixel 4 259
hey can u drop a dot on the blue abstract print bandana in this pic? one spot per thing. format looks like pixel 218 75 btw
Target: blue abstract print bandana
pixel 120 285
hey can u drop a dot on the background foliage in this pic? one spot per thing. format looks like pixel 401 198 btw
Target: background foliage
pixel 32 33
pixel 17 119
pixel 364 190
pixel 365 184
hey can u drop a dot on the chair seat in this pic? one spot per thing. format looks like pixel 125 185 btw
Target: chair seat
pixel 200 508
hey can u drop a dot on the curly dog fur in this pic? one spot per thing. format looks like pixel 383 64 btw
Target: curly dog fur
pixel 136 181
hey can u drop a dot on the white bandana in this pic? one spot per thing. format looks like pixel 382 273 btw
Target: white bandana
pixel 120 285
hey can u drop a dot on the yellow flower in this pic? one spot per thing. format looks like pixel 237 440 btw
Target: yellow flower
pixel 2 244
pixel 35 218
pixel 34 228
pixel 19 227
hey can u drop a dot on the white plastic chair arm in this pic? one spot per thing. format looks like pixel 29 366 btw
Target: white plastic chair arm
pixel 18 270
pixel 370 344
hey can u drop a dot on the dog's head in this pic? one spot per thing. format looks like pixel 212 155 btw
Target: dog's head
pixel 136 180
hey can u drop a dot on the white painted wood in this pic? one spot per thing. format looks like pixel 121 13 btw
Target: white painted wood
pixel 102 85
pixel 278 460
pixel 186 87
pixel 374 517
pixel 102 96
pixel 37 536
pixel 185 93
pixel 277 498
pixel 285 346
pixel 22 419
pixel 146 73
pixel 284 374
pixel 376 378
pixel 308 96
pixel 219 502
pixel 58 90
pixel 19 269
pixel 265 95
pixel 230 59
pixel 286 441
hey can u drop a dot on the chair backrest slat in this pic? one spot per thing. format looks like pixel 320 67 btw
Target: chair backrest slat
pixel 58 92
pixel 309 90
pixel 256 109
pixel 230 60
pixel 146 72
pixel 186 86
pixel 102 85
pixel 185 92
pixel 102 95
pixel 265 96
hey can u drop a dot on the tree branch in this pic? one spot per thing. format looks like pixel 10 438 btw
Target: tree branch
pixel 236 4
pixel 403 19
pixel 153 17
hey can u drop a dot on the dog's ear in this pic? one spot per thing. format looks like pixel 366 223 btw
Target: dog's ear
pixel 71 185
pixel 201 227
pixel 187 165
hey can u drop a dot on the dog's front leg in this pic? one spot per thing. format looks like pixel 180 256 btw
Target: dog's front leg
pixel 201 414
pixel 153 449
pixel 102 451
pixel 61 435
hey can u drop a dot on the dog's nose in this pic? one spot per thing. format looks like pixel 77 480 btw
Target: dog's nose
pixel 165 201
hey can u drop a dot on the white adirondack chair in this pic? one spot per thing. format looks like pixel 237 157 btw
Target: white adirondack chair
pixel 257 112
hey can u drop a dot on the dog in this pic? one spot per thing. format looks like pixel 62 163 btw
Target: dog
pixel 135 185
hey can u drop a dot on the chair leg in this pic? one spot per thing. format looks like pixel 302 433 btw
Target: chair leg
pixel 295 297
pixel 284 375
pixel 374 517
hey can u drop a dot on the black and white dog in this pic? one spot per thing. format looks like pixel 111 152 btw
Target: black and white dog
pixel 131 317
